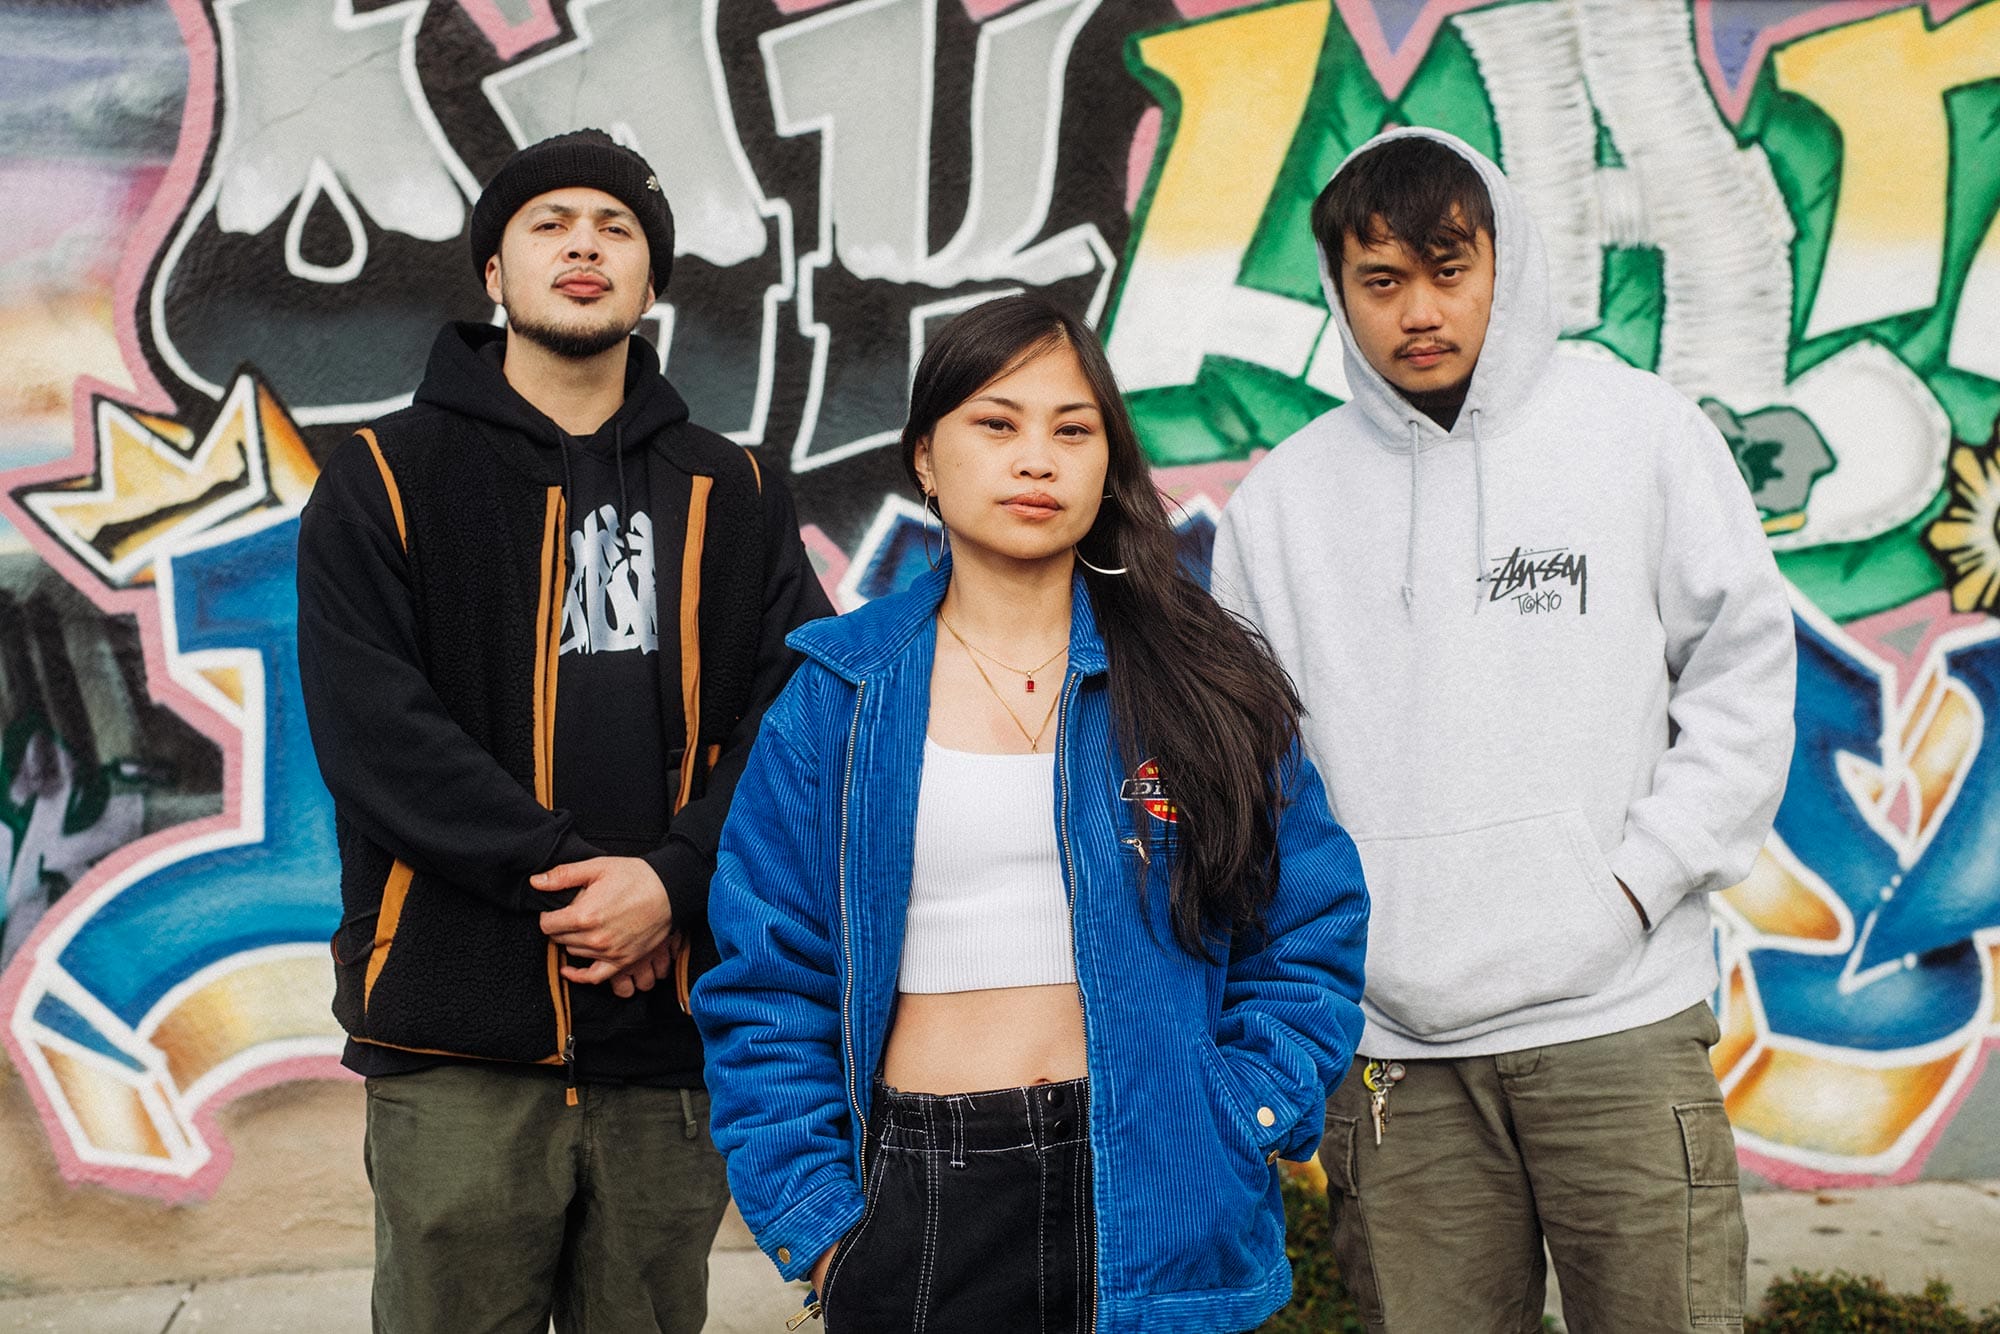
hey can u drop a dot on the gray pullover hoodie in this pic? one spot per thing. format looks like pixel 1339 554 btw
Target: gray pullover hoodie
pixel 1541 652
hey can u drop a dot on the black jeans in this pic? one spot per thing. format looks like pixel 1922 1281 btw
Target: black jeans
pixel 979 1216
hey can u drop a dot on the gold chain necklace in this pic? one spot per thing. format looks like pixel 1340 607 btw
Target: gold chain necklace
pixel 1028 672
pixel 1033 739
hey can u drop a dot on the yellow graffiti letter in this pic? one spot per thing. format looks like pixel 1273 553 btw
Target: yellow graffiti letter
pixel 1242 82
pixel 1883 82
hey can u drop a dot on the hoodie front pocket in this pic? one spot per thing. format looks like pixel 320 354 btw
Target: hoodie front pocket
pixel 1471 925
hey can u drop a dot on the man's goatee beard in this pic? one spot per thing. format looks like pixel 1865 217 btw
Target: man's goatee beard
pixel 572 344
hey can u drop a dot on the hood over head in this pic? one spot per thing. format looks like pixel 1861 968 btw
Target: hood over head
pixel 1520 338
pixel 464 376
pixel 1520 335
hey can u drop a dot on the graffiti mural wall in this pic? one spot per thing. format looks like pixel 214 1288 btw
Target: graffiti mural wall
pixel 238 223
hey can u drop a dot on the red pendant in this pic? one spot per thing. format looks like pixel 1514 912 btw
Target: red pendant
pixel 1031 685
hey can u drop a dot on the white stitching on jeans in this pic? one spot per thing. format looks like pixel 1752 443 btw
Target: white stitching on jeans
pixel 1078 1154
pixel 922 1313
pixel 1041 1229
pixel 871 1193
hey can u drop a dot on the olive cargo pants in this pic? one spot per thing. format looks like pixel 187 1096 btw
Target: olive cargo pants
pixel 1615 1150
pixel 497 1205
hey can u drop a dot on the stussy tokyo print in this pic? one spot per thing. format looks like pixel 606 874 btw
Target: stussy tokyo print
pixel 1542 580
pixel 609 606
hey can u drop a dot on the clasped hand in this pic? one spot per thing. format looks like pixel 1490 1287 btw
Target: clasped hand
pixel 621 921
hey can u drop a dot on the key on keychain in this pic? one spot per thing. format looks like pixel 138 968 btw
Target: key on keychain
pixel 1380 1077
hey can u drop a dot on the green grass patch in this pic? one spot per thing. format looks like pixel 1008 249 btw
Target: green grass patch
pixel 1811 1303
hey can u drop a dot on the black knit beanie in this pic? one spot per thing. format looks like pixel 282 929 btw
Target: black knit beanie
pixel 589 158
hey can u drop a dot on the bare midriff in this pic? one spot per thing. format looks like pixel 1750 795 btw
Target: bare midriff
pixel 971 1041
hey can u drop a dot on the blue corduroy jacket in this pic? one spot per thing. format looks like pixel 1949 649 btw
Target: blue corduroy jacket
pixel 1202 1074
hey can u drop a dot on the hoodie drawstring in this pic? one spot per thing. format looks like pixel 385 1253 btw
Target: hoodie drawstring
pixel 1410 546
pixel 562 447
pixel 1479 504
pixel 618 457
pixel 1479 576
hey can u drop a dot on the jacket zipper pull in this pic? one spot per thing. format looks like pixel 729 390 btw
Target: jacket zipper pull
pixel 569 1070
pixel 810 1310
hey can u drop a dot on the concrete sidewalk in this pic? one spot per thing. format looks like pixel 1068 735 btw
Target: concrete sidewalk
pixel 1903 1234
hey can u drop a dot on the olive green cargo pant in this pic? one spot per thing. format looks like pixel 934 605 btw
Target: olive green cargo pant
pixel 1615 1150
pixel 497 1205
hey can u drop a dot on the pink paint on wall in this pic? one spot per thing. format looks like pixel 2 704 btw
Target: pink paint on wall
pixel 511 37
pixel 1392 66
pixel 1139 161
pixel 74 247
pixel 1733 98
pixel 1905 637
pixel 1201 9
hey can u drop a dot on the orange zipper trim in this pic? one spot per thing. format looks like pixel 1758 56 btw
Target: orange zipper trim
pixel 691 552
pixel 394 891
pixel 548 634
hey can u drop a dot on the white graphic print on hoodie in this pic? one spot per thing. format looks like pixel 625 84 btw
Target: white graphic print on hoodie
pixel 1540 652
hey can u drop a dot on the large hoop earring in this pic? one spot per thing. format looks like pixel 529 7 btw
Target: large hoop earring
pixel 1084 561
pixel 1078 549
pixel 944 536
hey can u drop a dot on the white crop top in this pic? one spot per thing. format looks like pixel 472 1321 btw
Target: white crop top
pixel 987 903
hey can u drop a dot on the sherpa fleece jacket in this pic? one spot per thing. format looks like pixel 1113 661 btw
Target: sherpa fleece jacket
pixel 1541 652
pixel 431 575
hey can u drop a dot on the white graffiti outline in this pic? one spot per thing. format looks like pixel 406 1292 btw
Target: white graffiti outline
pixel 173 1115
pixel 775 295
pixel 46 505
pixel 410 14
pixel 1967 1043
pixel 943 266
pixel 321 183
pixel 1737 938
pixel 819 334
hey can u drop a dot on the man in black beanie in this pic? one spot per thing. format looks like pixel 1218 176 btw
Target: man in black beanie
pixel 540 615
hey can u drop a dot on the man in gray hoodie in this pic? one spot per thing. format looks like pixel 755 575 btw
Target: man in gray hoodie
pixel 1548 664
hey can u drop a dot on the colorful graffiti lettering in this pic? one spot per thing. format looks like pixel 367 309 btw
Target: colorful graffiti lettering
pixel 1786 209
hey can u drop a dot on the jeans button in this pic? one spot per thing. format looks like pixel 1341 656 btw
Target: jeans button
pixel 1053 1096
pixel 1059 1129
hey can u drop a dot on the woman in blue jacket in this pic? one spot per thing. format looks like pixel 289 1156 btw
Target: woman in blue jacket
pixel 1039 946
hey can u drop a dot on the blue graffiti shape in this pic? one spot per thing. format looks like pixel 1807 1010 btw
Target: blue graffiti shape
pixel 1913 974
pixel 1955 890
pixel 170 924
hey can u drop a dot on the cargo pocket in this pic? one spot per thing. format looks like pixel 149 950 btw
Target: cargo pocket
pixel 1352 1251
pixel 1717 1245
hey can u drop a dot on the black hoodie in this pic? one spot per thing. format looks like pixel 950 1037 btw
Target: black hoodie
pixel 438 606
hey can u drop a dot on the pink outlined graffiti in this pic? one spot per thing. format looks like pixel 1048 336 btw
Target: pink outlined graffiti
pixel 511 37
pixel 178 185
pixel 241 821
pixel 1732 95
pixel 1904 637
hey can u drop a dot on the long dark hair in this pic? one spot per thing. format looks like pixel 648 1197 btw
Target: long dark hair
pixel 1193 687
